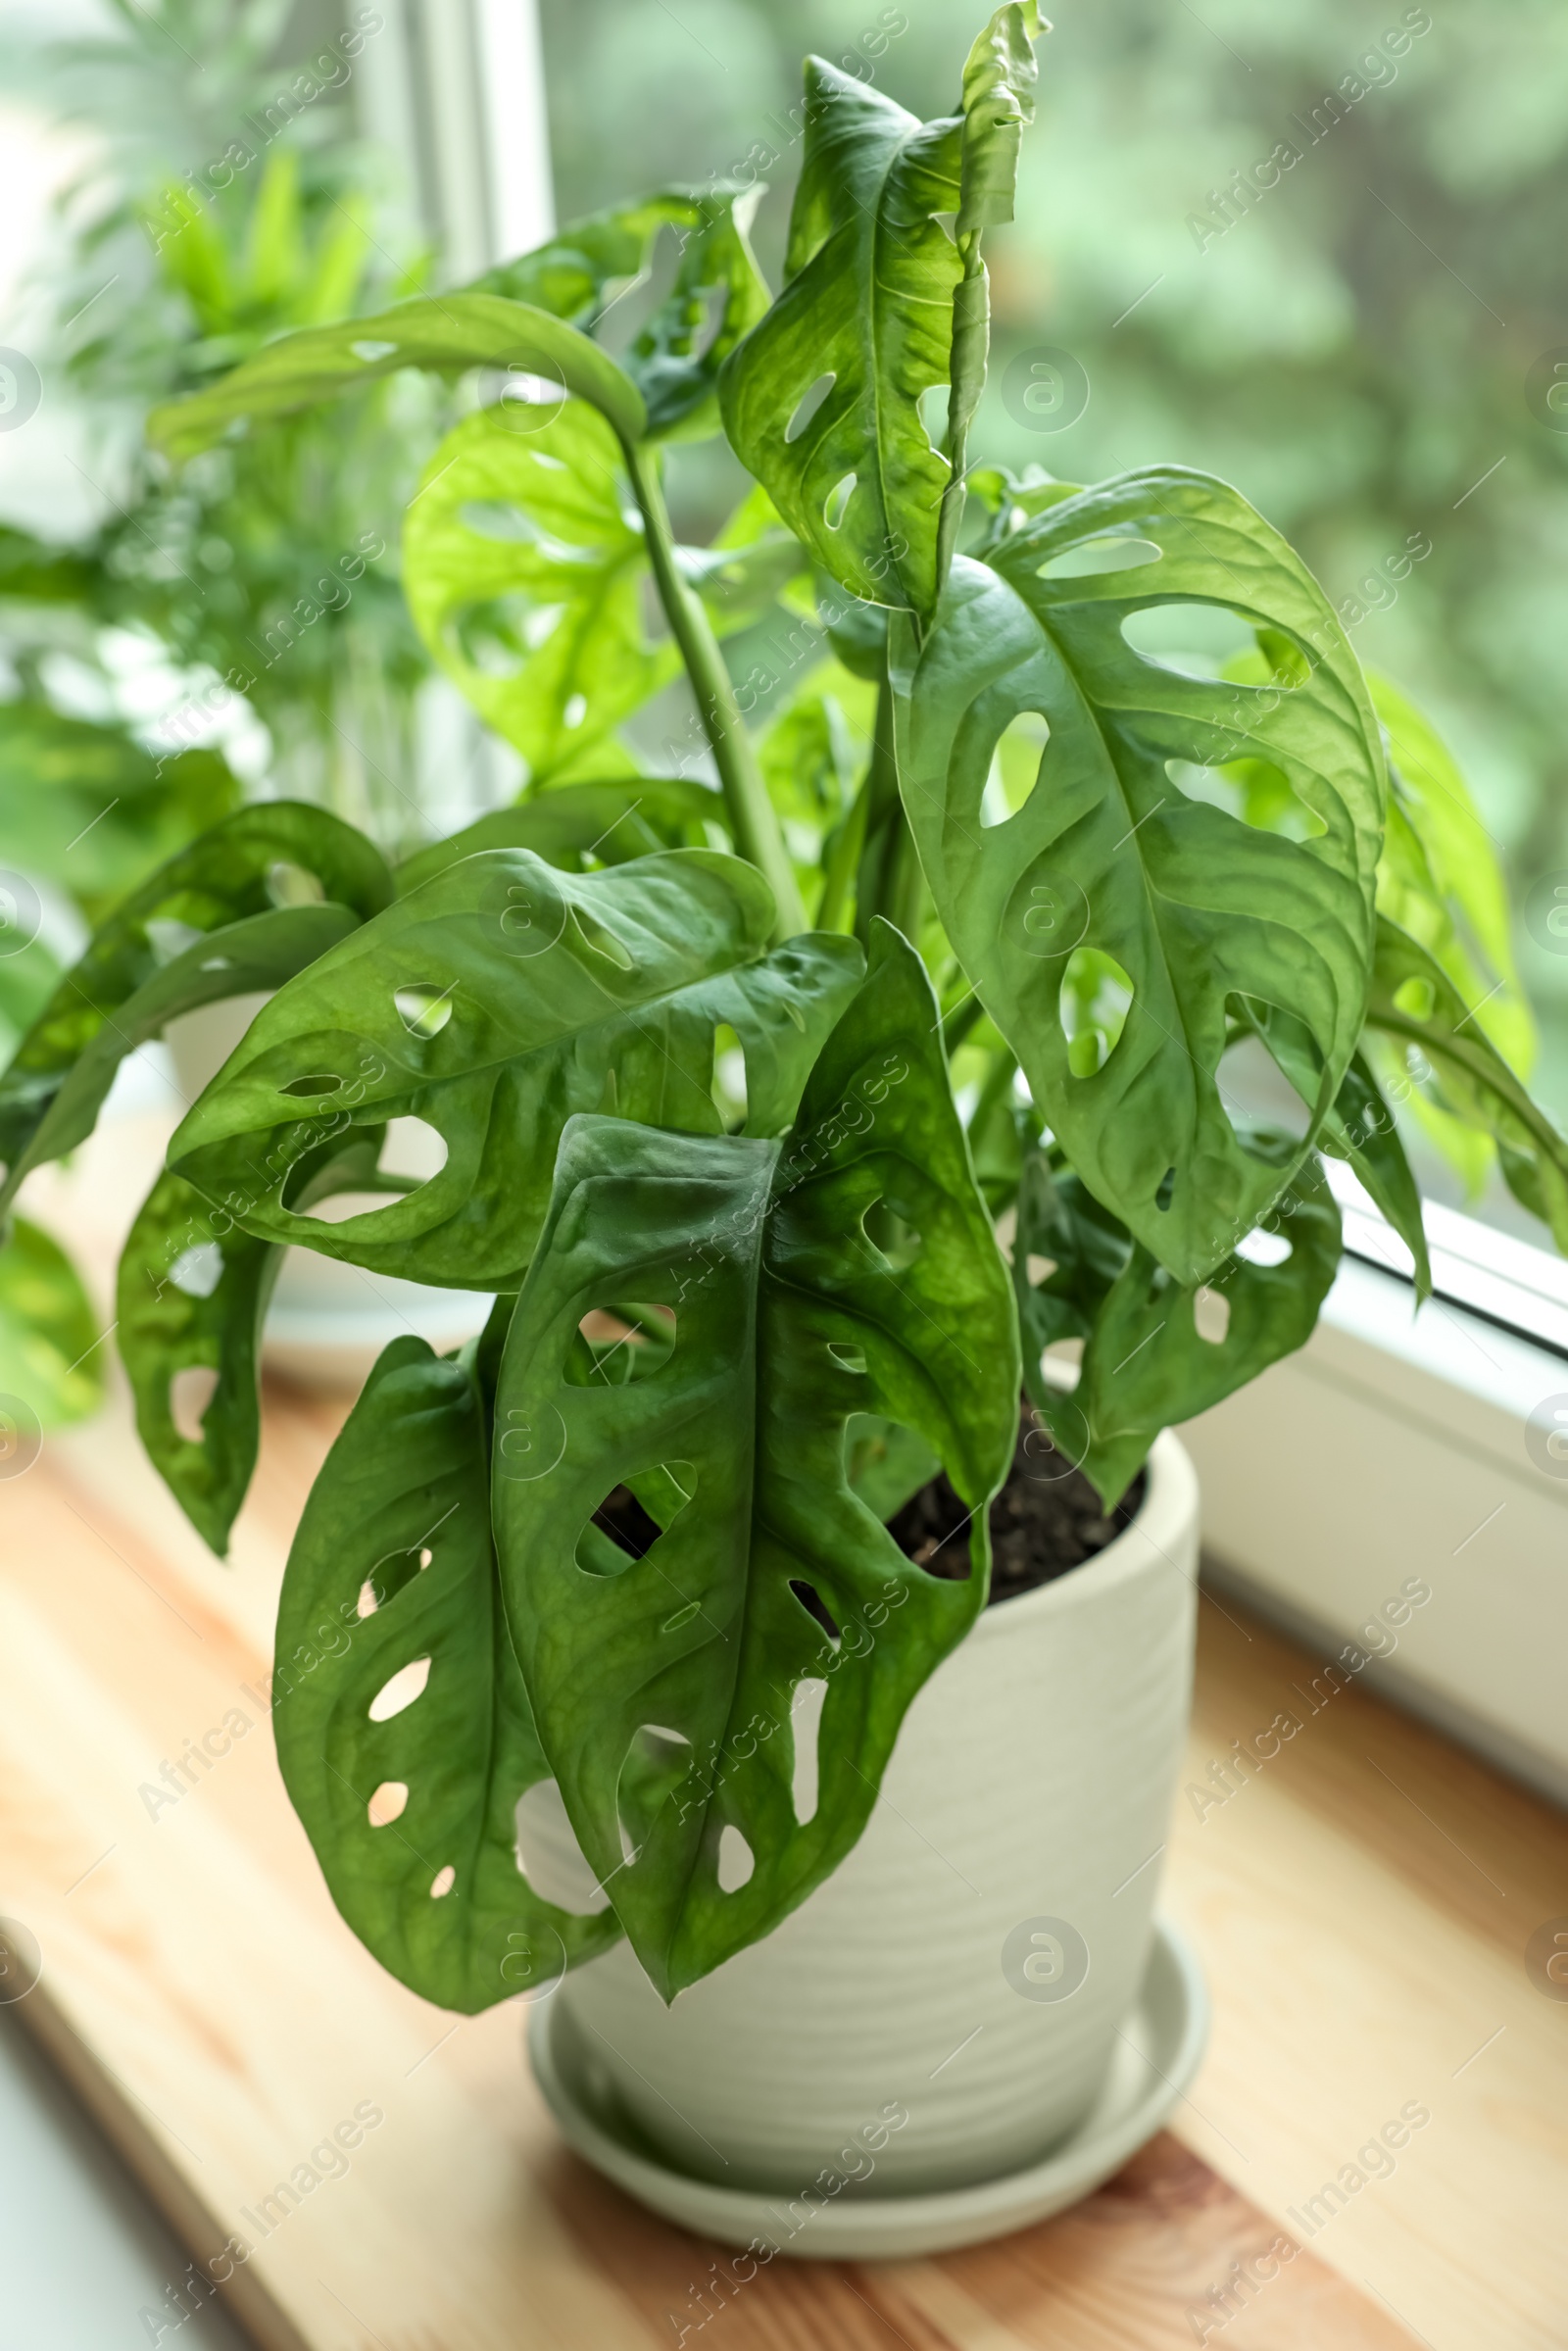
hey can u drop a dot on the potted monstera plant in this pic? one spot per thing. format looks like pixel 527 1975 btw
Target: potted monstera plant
pixel 793 1110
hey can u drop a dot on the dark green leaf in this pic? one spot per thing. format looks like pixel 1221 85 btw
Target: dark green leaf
pixel 1109 858
pixel 675 358
pixel 450 333
pixel 1360 1128
pixel 663 1690
pixel 1147 1362
pixel 393 1562
pixel 998 100
pixel 629 817
pixel 1417 1007
pixel 868 303
pixel 493 1002
pixel 191 1296
pixel 206 924
pixel 51 1357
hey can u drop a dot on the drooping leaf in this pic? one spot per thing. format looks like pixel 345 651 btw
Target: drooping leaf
pixel 1360 1129
pixel 206 924
pixel 526 572
pixel 1109 857
pixel 86 807
pixel 663 1690
pixel 450 333
pixel 493 1002
pixel 867 304
pixel 675 357
pixel 51 1354
pixel 612 822
pixel 1417 1008
pixel 1147 1360
pixel 394 1563
pixel 191 1296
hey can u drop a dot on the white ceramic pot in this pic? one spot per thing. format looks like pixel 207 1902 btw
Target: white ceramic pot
pixel 970 1962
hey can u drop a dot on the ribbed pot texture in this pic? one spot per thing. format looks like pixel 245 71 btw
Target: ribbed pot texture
pixel 940 1973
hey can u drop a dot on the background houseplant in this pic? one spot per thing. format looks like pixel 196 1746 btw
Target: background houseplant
pixel 1118 873
pixel 235 629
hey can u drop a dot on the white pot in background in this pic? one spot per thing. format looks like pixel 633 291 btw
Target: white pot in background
pixel 328 1321
pixel 973 1959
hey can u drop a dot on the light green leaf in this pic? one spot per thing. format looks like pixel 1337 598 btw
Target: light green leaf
pixel 867 303
pixel 493 1002
pixel 51 1361
pixel 1417 1005
pixel 393 1562
pixel 450 333
pixel 1109 855
pixel 663 1690
pixel 526 572
pixel 206 924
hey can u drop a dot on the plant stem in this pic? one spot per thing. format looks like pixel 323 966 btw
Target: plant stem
pixel 752 819
pixel 889 881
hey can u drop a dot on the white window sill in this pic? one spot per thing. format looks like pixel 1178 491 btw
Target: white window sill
pixel 1395 1445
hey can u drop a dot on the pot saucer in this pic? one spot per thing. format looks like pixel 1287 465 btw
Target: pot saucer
pixel 1157 2053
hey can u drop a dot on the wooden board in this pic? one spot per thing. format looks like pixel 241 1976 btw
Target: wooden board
pixel 1362 1907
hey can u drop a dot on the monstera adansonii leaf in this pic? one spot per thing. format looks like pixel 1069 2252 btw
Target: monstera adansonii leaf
pixel 866 324
pixel 1416 1007
pixel 668 1687
pixel 675 356
pixel 493 1002
pixel 1191 911
pixel 526 570
pixel 1149 1337
pixel 215 922
pixel 403 1725
pixel 191 1296
pixel 623 817
pixel 449 333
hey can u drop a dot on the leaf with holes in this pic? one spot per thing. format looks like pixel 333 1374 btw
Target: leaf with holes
pixel 1155 1346
pixel 571 275
pixel 449 333
pixel 1417 1008
pixel 398 1527
pixel 630 816
pixel 50 1338
pixel 821 400
pixel 662 1684
pixel 1360 1129
pixel 206 925
pixel 191 1298
pixel 526 574
pixel 492 1002
pixel 1189 906
pixel 998 100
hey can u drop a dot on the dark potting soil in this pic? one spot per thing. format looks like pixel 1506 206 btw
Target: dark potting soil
pixel 1047 1519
